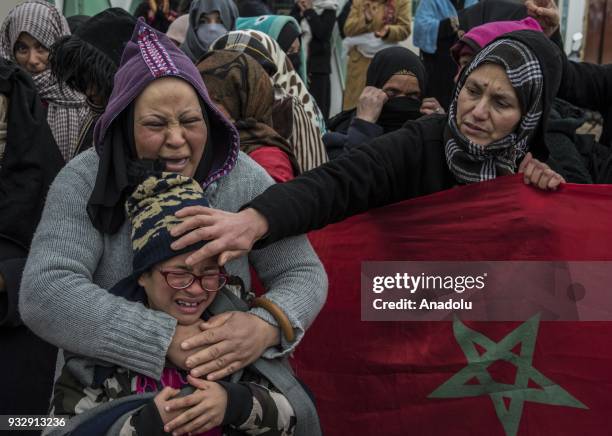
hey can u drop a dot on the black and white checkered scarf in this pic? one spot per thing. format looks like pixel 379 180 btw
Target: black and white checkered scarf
pixel 67 109
pixel 471 162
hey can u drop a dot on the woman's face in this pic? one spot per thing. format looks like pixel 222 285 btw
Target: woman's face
pixel 487 108
pixel 402 85
pixel 294 48
pixel 463 61
pixel 168 125
pixel 211 18
pixel 185 305
pixel 30 54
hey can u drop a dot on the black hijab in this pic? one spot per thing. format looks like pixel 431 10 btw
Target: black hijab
pixel 287 35
pixel 120 171
pixel 395 60
pixel 31 157
pixel 385 64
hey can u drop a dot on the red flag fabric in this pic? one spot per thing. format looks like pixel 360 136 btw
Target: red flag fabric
pixel 420 378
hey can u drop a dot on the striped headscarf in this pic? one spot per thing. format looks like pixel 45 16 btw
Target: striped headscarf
pixel 67 109
pixel 286 77
pixel 308 126
pixel 272 25
pixel 471 162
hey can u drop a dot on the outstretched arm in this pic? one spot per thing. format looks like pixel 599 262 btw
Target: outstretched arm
pixel 371 175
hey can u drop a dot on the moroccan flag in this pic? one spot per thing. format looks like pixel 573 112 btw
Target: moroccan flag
pixel 456 377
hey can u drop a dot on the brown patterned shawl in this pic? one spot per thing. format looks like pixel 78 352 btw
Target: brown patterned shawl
pixel 242 86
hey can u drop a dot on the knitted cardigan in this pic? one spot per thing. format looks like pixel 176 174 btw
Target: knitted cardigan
pixel 63 295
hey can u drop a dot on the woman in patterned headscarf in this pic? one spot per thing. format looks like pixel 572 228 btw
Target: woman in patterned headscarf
pixel 307 123
pixel 208 20
pixel 241 88
pixel 27 34
pixel 283 29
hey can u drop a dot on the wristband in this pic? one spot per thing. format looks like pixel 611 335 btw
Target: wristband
pixel 279 316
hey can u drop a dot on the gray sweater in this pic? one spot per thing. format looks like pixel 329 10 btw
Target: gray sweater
pixel 63 296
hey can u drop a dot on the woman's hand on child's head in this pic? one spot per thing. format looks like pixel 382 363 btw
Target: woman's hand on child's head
pixel 200 411
pixel 230 235
pixel 232 340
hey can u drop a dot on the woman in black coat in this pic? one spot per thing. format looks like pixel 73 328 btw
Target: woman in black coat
pixel 587 86
pixel 318 17
pixel 30 162
pixel 395 84
pixel 494 127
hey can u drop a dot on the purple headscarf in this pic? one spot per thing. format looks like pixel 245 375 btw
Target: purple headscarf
pixel 148 56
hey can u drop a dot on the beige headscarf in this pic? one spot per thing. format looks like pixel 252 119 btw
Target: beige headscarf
pixel 178 29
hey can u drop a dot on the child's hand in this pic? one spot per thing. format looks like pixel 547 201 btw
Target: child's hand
pixel 161 401
pixel 175 353
pixel 205 408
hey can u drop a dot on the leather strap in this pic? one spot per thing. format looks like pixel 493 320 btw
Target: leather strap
pixel 279 316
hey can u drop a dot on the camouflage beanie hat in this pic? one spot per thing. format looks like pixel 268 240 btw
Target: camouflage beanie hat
pixel 151 209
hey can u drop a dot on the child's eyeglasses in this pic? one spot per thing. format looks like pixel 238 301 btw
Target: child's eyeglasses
pixel 211 282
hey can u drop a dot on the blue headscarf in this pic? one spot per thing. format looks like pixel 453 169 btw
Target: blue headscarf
pixel 198 38
pixel 427 21
pixel 272 25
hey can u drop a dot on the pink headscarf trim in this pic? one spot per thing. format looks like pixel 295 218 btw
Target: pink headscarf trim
pixel 481 36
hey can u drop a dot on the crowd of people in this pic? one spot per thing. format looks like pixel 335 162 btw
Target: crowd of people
pixel 155 166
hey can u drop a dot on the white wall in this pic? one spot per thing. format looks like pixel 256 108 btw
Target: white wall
pixel 575 21
pixel 6 6
pixel 125 4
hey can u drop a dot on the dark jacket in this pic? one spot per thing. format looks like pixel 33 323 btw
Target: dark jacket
pixel 31 161
pixel 342 16
pixel 31 158
pixel 407 163
pixel 319 50
pixel 404 164
pixel 589 86
pixel 566 146
pixel 348 133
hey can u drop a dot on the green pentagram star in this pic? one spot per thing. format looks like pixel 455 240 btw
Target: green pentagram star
pixel 516 394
